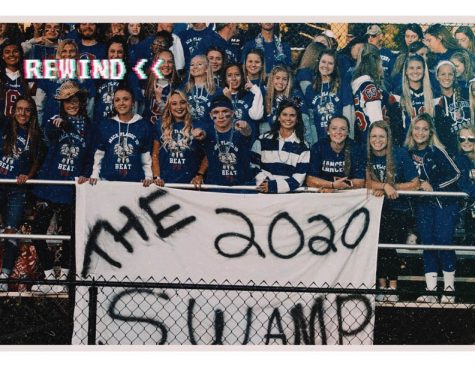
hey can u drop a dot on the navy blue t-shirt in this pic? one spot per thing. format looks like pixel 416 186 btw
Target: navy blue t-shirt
pixel 66 158
pixel 190 39
pixel 200 102
pixel 18 163
pixel 404 171
pixel 326 164
pixel 94 52
pixel 228 157
pixel 179 159
pixel 123 145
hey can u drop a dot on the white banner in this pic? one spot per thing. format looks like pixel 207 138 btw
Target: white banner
pixel 296 240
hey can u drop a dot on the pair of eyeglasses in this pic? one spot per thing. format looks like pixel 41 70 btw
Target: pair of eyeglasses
pixel 463 139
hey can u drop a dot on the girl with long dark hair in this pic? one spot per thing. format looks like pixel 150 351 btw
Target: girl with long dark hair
pixel 280 158
pixel 20 148
pixel 12 82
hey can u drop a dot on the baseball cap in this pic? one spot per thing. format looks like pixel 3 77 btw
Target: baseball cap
pixel 373 30
pixel 221 101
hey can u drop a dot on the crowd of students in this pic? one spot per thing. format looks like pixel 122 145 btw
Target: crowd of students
pixel 230 111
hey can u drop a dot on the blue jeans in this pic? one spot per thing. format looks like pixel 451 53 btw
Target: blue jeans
pixel 12 203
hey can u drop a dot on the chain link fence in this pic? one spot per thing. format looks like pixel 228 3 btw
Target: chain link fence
pixel 299 35
pixel 150 313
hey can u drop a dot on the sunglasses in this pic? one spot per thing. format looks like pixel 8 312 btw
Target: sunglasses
pixel 463 139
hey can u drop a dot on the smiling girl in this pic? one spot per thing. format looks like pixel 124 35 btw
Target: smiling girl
pixel 12 82
pixel 416 97
pixel 158 90
pixel 280 158
pixel 336 163
pixel 254 67
pixel 245 96
pixel 389 169
pixel 452 108
pixel 435 217
pixel 325 96
pixel 123 144
pixel 176 155
pixel 217 59
pixel 20 140
pixel 200 88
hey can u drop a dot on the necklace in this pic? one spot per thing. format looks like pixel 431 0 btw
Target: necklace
pixel 200 98
pixel 279 54
pixel 123 139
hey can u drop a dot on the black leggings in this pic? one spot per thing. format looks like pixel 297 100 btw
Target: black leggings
pixel 65 216
pixel 395 225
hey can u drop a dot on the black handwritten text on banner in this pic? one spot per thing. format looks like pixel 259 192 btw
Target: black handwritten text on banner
pixel 293 240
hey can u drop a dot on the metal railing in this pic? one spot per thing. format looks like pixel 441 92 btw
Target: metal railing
pixel 63 303
pixel 246 188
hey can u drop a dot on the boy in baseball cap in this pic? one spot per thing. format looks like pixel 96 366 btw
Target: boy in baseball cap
pixel 227 147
